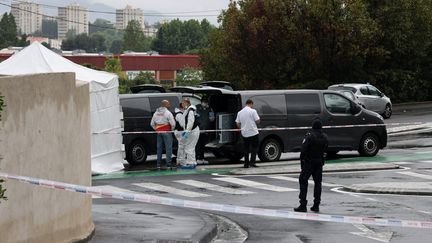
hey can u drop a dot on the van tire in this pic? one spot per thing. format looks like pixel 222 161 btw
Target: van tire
pixel 369 145
pixel 270 150
pixel 137 152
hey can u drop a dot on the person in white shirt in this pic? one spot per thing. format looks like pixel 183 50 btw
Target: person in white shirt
pixel 247 120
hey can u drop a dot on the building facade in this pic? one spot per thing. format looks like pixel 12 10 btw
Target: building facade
pixel 28 16
pixel 73 17
pixel 123 16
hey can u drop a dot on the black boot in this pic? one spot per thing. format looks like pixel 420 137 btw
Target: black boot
pixel 315 208
pixel 301 208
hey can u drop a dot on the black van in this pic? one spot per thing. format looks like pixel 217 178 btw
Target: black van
pixel 292 108
pixel 138 110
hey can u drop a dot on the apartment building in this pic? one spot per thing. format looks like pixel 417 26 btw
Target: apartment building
pixel 123 16
pixel 73 17
pixel 28 16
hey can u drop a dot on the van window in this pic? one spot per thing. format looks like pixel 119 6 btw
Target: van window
pixel 155 102
pixel 303 104
pixel 269 104
pixel 136 107
pixel 337 104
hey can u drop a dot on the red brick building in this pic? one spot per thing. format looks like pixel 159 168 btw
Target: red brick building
pixel 164 67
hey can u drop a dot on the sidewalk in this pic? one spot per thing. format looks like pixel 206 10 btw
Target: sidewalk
pixel 132 222
pixel 334 167
pixel 402 188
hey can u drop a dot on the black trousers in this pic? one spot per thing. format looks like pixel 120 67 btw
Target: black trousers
pixel 307 171
pixel 251 146
pixel 200 147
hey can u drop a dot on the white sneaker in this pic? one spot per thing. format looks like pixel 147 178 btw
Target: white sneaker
pixel 202 162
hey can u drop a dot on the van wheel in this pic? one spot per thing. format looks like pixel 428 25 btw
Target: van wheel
pixel 270 150
pixel 137 152
pixel 369 145
pixel 387 112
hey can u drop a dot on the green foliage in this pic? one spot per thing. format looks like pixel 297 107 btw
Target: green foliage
pixel 134 39
pixel 23 41
pixel 49 28
pixel 189 76
pixel 312 44
pixel 94 43
pixel 178 37
pixel 141 78
pixel 116 47
pixel 8 31
pixel 100 25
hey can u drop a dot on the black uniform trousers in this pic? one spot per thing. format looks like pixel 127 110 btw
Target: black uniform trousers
pixel 200 147
pixel 250 146
pixel 308 170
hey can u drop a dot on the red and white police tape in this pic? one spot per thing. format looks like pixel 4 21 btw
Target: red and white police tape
pixel 281 128
pixel 146 198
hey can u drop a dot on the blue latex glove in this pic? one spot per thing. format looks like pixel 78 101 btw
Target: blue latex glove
pixel 185 135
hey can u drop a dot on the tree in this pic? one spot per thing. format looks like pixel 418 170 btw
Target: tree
pixel 97 43
pixel 47 45
pixel 8 31
pixel 93 44
pixel 49 28
pixel 286 43
pixel 134 39
pixel 176 36
pixel 189 76
pixel 144 78
pixel 100 25
pixel 116 46
pixel 22 42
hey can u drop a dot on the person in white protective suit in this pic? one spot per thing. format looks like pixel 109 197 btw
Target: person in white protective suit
pixel 179 128
pixel 190 134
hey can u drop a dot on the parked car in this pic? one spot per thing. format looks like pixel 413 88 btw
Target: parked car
pixel 147 88
pixel 352 96
pixel 219 84
pixel 369 96
pixel 138 110
pixel 291 108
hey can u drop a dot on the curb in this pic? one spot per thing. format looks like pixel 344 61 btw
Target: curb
pixel 338 168
pixel 207 233
pixel 387 191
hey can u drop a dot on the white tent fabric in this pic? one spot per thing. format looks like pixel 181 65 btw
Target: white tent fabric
pixel 106 144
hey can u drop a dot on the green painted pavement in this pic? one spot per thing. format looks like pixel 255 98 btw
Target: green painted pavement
pixel 413 156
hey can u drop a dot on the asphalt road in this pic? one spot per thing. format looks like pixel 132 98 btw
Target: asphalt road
pixel 268 191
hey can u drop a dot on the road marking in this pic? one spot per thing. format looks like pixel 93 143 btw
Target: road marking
pixel 426 161
pixel 371 199
pixel 286 178
pixel 110 188
pixel 254 184
pixel 172 190
pixel 368 233
pixel 418 175
pixel 404 163
pixel 212 187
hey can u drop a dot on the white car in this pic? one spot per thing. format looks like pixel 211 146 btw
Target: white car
pixel 369 96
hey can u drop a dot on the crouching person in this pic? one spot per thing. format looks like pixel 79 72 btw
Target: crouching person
pixel 163 122
pixel 190 134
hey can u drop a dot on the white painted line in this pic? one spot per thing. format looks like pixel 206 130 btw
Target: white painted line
pixel 425 212
pixel 425 161
pixel 286 178
pixel 414 174
pixel 424 152
pixel 404 163
pixel 370 234
pixel 254 184
pixel 371 199
pixel 172 190
pixel 212 187
pixel 110 188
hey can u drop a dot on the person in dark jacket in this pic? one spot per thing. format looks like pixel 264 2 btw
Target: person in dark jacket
pixel 205 118
pixel 312 160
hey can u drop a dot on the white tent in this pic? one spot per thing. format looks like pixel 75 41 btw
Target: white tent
pixel 104 98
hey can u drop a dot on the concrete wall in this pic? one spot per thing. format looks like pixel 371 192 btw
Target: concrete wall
pixel 45 133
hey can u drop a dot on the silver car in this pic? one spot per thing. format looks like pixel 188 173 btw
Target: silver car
pixel 369 96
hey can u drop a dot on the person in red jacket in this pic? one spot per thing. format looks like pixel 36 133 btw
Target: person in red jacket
pixel 163 122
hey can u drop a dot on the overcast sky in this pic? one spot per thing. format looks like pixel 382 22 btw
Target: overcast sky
pixel 172 6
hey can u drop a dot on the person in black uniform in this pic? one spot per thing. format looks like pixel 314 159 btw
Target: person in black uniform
pixel 312 161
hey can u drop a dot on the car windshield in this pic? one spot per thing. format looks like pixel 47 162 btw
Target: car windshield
pixel 352 89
